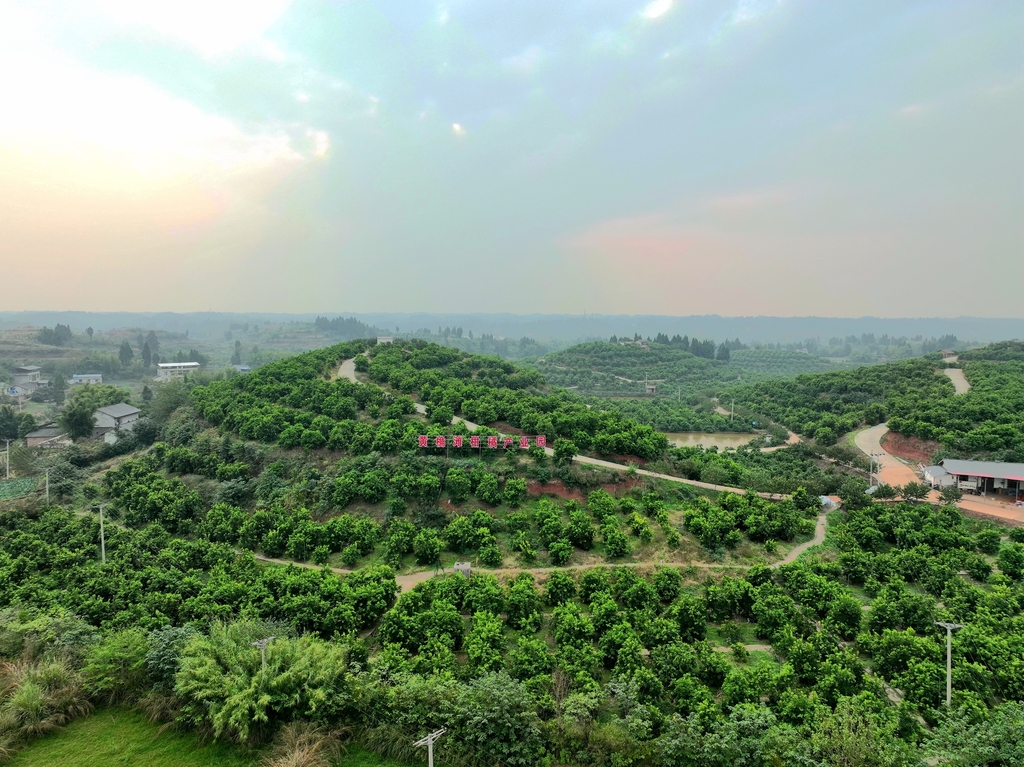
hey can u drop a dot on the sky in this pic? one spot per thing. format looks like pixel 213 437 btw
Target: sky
pixel 733 157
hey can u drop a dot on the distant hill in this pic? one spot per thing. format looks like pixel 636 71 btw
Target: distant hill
pixel 613 368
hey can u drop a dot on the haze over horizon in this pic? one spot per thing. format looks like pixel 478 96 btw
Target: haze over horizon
pixel 771 157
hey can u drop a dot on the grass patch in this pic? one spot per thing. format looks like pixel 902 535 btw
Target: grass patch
pixel 119 737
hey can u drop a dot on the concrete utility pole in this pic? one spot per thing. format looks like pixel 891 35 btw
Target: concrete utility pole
pixel 874 461
pixel 429 743
pixel 949 657
pixel 47 472
pixel 7 458
pixel 103 540
pixel 262 644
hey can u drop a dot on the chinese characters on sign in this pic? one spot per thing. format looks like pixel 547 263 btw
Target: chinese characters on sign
pixel 492 443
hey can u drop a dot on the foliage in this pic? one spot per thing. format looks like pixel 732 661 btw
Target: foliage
pixel 222 682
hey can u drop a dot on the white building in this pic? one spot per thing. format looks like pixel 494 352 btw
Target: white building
pixel 29 377
pixel 166 371
pixel 936 476
pixel 979 476
pixel 83 379
pixel 114 418
pixel 385 339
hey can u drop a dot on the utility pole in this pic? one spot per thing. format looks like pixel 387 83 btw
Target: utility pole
pixel 733 411
pixel 262 644
pixel 873 461
pixel 7 458
pixel 949 657
pixel 429 743
pixel 103 540
pixel 47 472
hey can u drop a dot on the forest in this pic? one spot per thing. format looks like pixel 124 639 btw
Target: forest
pixel 634 622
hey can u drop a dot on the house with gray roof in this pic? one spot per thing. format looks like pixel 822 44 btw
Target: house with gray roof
pixel 111 419
pixel 981 477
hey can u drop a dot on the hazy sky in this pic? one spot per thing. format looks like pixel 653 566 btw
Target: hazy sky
pixel 778 157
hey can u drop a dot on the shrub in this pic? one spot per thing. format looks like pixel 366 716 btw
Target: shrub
pixel 115 669
pixel 223 685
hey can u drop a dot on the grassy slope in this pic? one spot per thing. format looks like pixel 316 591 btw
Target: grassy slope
pixel 118 737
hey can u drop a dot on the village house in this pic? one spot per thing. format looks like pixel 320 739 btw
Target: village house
pixel 385 339
pixel 167 371
pixel 84 379
pixel 114 418
pixel 980 477
pixel 49 436
pixel 29 377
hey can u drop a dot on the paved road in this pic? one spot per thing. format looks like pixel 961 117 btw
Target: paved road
pixel 895 472
pixel 892 471
pixel 960 383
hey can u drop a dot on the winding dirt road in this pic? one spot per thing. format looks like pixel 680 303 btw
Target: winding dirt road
pixel 408 580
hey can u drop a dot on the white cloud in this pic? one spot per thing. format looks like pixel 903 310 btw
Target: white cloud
pixel 211 26
pixel 657 9
pixel 912 110
pixel 525 63
pixel 59 108
pixel 751 10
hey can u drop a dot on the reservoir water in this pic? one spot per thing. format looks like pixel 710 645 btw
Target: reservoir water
pixel 719 439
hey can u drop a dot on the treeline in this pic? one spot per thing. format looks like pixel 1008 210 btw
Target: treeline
pixel 987 421
pixel 345 328
pixel 707 349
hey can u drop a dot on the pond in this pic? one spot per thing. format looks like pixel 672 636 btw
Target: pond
pixel 719 439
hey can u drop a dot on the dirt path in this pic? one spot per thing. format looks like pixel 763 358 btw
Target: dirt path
pixel 750 648
pixel 408 580
pixel 992 509
pixel 960 382
pixel 347 369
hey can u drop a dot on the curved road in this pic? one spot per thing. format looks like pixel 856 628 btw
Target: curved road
pixel 892 470
pixel 895 472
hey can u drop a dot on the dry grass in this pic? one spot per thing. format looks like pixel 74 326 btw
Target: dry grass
pixel 302 744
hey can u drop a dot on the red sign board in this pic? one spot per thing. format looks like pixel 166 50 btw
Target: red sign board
pixel 492 442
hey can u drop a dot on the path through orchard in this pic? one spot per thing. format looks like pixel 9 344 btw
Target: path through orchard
pixel 408 580
pixel 347 370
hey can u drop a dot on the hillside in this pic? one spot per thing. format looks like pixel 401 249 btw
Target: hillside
pixel 913 396
pixel 621 369
pixel 609 619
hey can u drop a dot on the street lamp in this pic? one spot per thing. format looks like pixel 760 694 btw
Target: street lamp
pixel 262 644
pixel 429 743
pixel 103 540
